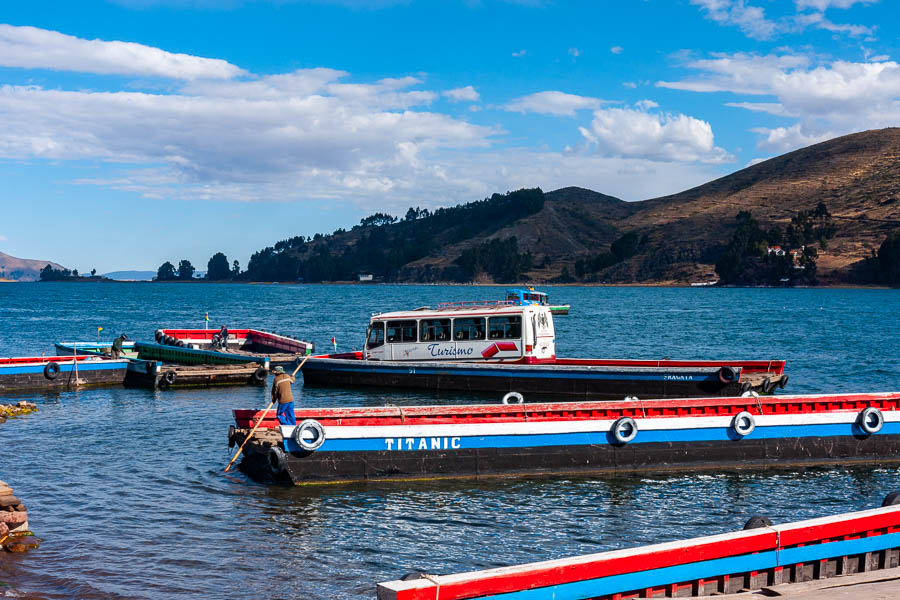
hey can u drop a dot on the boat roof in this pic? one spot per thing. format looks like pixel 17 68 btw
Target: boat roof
pixel 458 309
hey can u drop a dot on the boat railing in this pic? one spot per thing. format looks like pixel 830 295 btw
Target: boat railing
pixel 474 304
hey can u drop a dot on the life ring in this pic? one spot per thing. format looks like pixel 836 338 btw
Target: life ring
pixel 727 374
pixel 783 381
pixel 260 374
pixel 870 420
pixel 757 522
pixel 624 430
pixel 51 371
pixel 276 460
pixel 309 426
pixel 743 423
pixel 170 377
pixel 519 399
pixel 891 499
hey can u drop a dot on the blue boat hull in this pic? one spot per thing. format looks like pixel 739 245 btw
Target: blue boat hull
pixel 16 378
pixel 600 383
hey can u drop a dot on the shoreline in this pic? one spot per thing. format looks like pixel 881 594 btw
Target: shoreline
pixel 840 286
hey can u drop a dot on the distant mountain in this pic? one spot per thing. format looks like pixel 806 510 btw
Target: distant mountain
pixel 578 235
pixel 130 275
pixel 22 269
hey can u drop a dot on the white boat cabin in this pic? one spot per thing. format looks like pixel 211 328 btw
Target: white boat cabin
pixel 469 331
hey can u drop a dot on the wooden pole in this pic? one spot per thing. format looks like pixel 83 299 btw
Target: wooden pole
pixel 258 423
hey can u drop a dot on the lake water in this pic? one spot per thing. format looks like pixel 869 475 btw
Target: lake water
pixel 126 486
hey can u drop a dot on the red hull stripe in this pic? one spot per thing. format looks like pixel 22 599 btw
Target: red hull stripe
pixel 864 527
pixel 579 411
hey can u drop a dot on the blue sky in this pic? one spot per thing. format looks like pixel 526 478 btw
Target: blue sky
pixel 138 131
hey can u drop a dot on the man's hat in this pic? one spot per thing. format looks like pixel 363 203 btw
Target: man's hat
pixel 279 369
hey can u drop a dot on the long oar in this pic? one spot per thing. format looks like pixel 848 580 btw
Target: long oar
pixel 258 423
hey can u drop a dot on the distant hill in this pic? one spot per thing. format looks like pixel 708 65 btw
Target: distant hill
pixel 130 275
pixel 22 269
pixel 574 234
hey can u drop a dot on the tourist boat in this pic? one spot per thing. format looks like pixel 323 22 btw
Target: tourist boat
pixel 760 556
pixel 501 347
pixel 530 296
pixel 93 349
pixel 411 442
pixel 280 350
pixel 49 372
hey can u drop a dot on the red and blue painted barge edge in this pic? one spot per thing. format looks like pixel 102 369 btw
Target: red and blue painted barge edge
pixel 601 379
pixel 191 356
pixel 49 372
pixel 727 563
pixel 427 442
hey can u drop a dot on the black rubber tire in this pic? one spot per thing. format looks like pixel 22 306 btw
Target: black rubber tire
pixel 768 386
pixel 413 576
pixel 167 340
pixel 757 521
pixel 231 440
pixel 891 499
pixel 260 374
pixel 746 387
pixel 727 374
pixel 179 343
pixel 170 377
pixel 158 335
pixel 783 381
pixel 51 371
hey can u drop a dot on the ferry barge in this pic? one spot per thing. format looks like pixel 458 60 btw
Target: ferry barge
pixel 761 556
pixel 260 345
pixel 416 442
pixel 58 372
pixel 502 346
pixel 93 349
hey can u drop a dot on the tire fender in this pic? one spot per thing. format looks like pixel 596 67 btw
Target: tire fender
pixel 51 370
pixel 624 430
pixel 515 397
pixel 309 435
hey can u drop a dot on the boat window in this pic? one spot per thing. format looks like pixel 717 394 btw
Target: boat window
pixel 434 330
pixel 505 328
pixel 468 329
pixel 376 335
pixel 401 331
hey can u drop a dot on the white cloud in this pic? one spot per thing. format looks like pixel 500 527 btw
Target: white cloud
pixel 553 103
pixel 756 161
pixel 827 100
pixel 823 5
pixel 799 135
pixel 575 52
pixel 754 23
pixel 463 94
pixel 750 19
pixel 519 53
pixel 33 48
pixel 629 84
pixel 617 49
pixel 661 136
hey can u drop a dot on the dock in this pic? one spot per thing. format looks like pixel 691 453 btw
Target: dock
pixel 158 375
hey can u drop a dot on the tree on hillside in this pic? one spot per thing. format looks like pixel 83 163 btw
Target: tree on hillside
pixel 165 272
pixel 888 258
pixel 93 272
pixel 235 269
pixel 217 267
pixel 185 269
pixel 377 220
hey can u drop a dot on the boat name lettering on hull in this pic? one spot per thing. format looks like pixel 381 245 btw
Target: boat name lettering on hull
pixel 678 377
pixel 436 350
pixel 422 443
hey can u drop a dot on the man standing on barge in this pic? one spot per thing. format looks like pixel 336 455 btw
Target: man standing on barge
pixel 281 391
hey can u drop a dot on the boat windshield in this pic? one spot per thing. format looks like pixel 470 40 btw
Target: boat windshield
pixel 376 335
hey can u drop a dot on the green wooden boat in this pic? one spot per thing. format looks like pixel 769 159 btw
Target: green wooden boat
pixel 190 356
